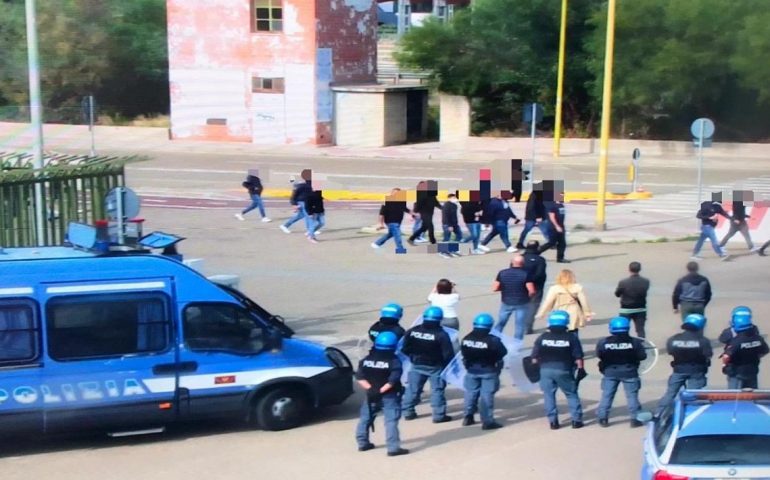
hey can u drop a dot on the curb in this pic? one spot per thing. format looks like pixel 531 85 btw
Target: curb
pixel 348 195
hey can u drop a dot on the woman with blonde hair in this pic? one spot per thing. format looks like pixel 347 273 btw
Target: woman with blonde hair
pixel 567 295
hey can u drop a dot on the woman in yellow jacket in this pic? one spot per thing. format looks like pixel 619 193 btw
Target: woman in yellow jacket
pixel 567 295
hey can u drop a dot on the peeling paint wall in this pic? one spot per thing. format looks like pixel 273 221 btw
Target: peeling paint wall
pixel 349 28
pixel 213 55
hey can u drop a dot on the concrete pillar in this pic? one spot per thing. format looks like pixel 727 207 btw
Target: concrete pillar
pixel 455 118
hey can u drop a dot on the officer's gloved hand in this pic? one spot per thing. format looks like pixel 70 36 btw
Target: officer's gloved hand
pixel 581 374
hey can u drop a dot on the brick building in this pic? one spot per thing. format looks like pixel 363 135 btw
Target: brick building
pixel 260 70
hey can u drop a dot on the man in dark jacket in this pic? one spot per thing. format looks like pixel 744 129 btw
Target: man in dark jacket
pixel 633 297
pixel 536 266
pixel 298 199
pixel 314 205
pixel 424 207
pixel 692 292
pixel 392 214
pixel 534 215
pixel 708 216
pixel 471 212
pixel 253 184
pixel 738 224
pixel 499 213
pixel 449 222
pixel 557 235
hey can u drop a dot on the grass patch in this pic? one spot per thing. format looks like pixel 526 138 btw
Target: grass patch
pixel 579 227
pixel 594 240
pixel 659 240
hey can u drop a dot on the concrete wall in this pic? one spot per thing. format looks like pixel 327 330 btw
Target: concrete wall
pixel 359 119
pixel 213 55
pixel 455 118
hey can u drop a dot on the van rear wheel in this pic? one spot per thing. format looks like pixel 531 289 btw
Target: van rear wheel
pixel 281 409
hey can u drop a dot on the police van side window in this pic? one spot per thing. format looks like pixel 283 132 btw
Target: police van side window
pixel 663 430
pixel 107 325
pixel 222 327
pixel 19 333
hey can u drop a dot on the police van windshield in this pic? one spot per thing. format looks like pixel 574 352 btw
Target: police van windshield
pixel 269 319
pixel 722 450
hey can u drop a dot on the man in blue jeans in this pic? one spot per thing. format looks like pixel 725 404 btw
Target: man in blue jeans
pixel 692 357
pixel 298 198
pixel 707 214
pixel 516 287
pixel 392 214
pixel 499 212
pixel 483 355
pixel 619 356
pixel 379 374
pixel 558 352
pixel 534 215
pixel 430 349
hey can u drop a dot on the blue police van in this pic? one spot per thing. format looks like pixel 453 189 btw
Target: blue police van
pixel 129 342
pixel 710 434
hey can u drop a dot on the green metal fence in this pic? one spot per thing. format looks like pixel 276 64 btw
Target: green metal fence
pixel 73 189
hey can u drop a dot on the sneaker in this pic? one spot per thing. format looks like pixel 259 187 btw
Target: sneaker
pixel 410 241
pixel 374 245
pixel 478 251
pixel 239 216
pixel 285 229
pixel 491 426
pixel 563 260
pixel 519 246
pixel 761 253
pixel 312 240
pixel 725 256
pixel 696 257
pixel 468 421
pixel 366 447
pixel 603 422
pixel 444 419
pixel 484 248
pixel 444 255
pixel 410 416
pixel 396 453
pixel 266 220
pixel 456 254
pixel 510 249
pixel 420 240
pixel 318 232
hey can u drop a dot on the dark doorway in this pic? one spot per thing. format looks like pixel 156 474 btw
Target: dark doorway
pixel 415 115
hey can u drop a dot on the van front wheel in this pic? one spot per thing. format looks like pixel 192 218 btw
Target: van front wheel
pixel 281 409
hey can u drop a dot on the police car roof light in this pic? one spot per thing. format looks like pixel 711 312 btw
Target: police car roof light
pixel 159 240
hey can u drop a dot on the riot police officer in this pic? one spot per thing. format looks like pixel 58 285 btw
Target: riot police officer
pixel 430 349
pixel 559 353
pixel 692 358
pixel 728 333
pixel 379 373
pixel 390 315
pixel 743 351
pixel 483 355
pixel 619 356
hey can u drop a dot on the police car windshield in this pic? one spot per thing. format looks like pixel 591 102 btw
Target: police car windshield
pixel 271 320
pixel 722 450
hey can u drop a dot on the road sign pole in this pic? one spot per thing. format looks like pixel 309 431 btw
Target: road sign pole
pixel 601 223
pixel 91 123
pixel 120 215
pixel 560 80
pixel 700 160
pixel 534 119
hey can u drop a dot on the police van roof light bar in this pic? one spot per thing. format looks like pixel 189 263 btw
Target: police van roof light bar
pixel 725 395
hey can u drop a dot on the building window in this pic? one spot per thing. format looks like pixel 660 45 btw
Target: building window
pixel 268 15
pixel 266 85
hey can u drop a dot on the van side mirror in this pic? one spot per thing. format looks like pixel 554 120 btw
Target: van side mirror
pixel 274 339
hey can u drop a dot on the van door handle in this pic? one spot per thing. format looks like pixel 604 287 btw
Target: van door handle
pixel 170 368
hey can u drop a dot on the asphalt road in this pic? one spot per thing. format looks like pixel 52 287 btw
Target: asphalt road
pixel 332 292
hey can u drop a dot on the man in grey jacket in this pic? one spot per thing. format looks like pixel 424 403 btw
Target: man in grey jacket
pixel 692 292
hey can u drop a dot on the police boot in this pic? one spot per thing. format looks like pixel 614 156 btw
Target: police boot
pixel 468 421
pixel 410 416
pixel 366 448
pixel 635 423
pixel 491 426
pixel 555 425
pixel 396 453
pixel 603 422
pixel 577 424
pixel 444 419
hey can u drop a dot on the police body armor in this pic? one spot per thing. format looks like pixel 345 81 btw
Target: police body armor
pixel 482 352
pixel 423 345
pixel 377 367
pixel 381 326
pixel 745 350
pixel 620 356
pixel 556 350
pixel 689 352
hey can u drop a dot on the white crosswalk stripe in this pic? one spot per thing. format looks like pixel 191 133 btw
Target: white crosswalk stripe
pixel 685 203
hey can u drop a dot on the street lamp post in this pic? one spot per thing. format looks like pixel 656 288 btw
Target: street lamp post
pixel 560 80
pixel 601 223
pixel 36 114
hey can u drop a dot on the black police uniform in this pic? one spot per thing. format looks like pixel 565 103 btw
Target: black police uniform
pixel 386 325
pixel 619 356
pixel 483 355
pixel 692 357
pixel 430 349
pixel 743 353
pixel 556 351
pixel 378 368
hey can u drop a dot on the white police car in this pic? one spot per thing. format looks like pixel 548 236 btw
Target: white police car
pixel 710 435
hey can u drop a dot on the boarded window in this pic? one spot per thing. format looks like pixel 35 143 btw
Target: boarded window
pixel 267 85
pixel 216 121
pixel 268 15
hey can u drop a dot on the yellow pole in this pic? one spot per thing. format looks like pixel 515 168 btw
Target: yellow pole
pixel 606 110
pixel 560 80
